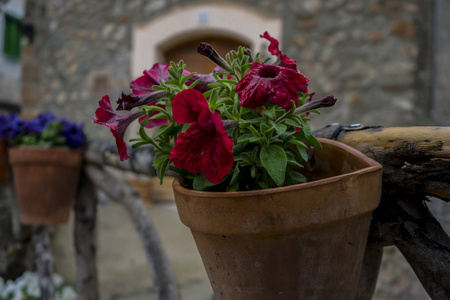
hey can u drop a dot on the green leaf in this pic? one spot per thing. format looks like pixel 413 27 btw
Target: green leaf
pixel 263 127
pixel 274 160
pixel 256 139
pixel 294 163
pixel 303 153
pixel 201 183
pixel 227 81
pixel 314 142
pixel 293 123
pixel 161 170
pixel 245 138
pixel 236 172
pixel 237 149
pixel 306 130
pixel 160 131
pixel 213 99
pixel 186 78
pixel 280 128
pixel 298 177
pixel 297 143
pixel 253 171
pixel 160 157
pixel 263 185
pixel 233 187
pixel 270 112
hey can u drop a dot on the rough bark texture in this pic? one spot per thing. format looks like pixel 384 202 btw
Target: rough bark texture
pixel 44 262
pixel 102 153
pixel 166 287
pixel 16 249
pixel 85 241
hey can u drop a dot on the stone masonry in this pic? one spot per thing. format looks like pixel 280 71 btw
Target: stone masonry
pixel 370 54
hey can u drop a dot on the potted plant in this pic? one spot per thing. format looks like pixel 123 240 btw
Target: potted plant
pixel 275 213
pixel 46 162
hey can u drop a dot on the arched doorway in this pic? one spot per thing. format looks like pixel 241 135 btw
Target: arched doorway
pixel 187 51
pixel 233 24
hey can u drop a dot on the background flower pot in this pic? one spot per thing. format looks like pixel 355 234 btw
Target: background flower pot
pixel 4 165
pixel 304 241
pixel 46 181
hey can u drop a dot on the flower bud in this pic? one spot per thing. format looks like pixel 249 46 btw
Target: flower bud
pixel 207 50
pixel 324 102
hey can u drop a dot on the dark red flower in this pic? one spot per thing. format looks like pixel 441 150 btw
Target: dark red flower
pixel 284 60
pixel 118 124
pixel 188 105
pixel 202 86
pixel 266 82
pixel 205 146
pixel 142 88
pixel 145 83
pixel 128 100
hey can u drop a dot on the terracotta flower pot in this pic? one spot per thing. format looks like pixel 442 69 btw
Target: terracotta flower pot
pixel 4 165
pixel 46 181
pixel 304 241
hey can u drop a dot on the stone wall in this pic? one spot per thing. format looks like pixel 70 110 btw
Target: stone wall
pixel 367 53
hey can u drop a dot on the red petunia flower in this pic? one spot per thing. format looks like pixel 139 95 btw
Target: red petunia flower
pixel 266 82
pixel 128 101
pixel 284 60
pixel 145 83
pixel 142 87
pixel 205 146
pixel 118 124
pixel 188 105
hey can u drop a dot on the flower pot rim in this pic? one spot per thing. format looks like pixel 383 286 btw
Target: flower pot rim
pixel 372 166
pixel 44 155
pixel 43 148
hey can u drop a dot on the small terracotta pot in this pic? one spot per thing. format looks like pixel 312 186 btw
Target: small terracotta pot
pixel 4 165
pixel 46 182
pixel 304 241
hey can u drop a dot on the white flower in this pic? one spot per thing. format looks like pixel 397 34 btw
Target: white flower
pixel 18 295
pixel 57 280
pixel 33 289
pixel 8 289
pixel 68 293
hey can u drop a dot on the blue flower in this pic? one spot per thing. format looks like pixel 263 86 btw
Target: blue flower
pixel 75 137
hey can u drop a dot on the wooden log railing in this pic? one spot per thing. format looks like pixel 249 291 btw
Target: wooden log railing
pixel 416 166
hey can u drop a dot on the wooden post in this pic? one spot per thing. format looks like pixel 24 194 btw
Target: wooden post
pixel 44 262
pixel 85 241
pixel 166 287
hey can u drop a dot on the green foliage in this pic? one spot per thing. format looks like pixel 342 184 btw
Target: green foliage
pixel 270 144
pixel 49 137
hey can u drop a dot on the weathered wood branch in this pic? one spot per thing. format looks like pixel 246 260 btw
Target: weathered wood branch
pixel 416 164
pixel 44 262
pixel 407 223
pixel 166 287
pixel 415 160
pixel 103 153
pixel 85 241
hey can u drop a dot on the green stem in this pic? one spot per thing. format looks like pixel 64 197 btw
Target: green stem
pixel 254 130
